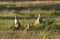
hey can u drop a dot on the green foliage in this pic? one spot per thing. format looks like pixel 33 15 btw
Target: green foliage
pixel 14 11
pixel 57 13
pixel 31 11
pixel 22 27
pixel 13 28
pixel 40 26
pixel 46 37
pixel 31 15
pixel 49 21
pixel 32 27
pixel 44 24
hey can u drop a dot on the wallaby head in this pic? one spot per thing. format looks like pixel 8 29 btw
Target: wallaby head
pixel 28 25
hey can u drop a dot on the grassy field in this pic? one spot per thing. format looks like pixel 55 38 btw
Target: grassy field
pixel 29 35
pixel 27 3
pixel 46 30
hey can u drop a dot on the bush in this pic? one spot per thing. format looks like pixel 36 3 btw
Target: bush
pixel 14 11
pixel 44 24
pixel 22 28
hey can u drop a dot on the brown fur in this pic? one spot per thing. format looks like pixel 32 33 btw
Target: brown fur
pixel 26 29
pixel 36 21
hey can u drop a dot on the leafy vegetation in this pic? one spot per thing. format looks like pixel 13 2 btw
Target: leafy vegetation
pixel 28 12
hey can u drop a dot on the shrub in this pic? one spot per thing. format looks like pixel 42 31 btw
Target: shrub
pixel 14 11
pixel 40 26
pixel 44 24
pixel 32 27
pixel 22 28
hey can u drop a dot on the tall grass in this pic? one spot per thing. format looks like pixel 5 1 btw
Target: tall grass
pixel 28 3
pixel 48 29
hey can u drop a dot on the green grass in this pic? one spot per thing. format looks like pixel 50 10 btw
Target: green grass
pixel 43 31
pixel 50 32
pixel 29 35
pixel 28 13
pixel 28 3
pixel 8 23
pixel 46 30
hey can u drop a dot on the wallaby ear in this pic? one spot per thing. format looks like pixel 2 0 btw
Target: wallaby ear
pixel 39 15
pixel 27 28
pixel 40 19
